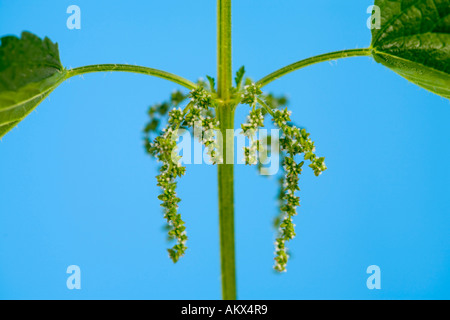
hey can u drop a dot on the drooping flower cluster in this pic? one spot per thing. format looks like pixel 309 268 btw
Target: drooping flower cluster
pixel 163 148
pixel 289 205
pixel 255 120
pixel 204 123
pixel 293 142
pixel 197 115
pixel 156 113
pixel 297 141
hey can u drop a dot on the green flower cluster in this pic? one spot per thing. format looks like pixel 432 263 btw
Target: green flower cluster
pixel 163 148
pixel 210 127
pixel 156 114
pixel 293 142
pixel 255 120
pixel 205 124
pixel 289 205
pixel 297 141
pixel 201 98
pixel 197 114
pixel 251 93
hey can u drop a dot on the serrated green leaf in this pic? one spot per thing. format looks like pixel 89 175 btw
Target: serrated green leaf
pixel 414 41
pixel 212 83
pixel 30 70
pixel 239 75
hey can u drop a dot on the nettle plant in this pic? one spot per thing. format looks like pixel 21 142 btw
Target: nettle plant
pixel 413 39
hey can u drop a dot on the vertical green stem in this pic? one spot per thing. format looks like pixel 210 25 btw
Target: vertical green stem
pixel 226 205
pixel 226 170
pixel 224 49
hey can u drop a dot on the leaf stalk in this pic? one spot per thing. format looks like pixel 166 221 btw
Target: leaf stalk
pixel 134 69
pixel 313 60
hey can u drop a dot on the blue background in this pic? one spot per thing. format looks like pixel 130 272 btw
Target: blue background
pixel 76 186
